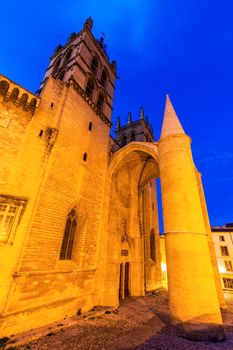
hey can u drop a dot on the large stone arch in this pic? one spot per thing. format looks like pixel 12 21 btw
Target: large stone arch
pixel 130 175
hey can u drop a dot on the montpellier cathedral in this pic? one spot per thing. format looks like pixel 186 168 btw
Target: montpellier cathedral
pixel 78 208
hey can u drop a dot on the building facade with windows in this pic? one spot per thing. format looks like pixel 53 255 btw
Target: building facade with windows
pixel 78 208
pixel 223 243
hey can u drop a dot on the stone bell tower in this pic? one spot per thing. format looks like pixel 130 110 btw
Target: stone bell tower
pixel 138 130
pixel 84 60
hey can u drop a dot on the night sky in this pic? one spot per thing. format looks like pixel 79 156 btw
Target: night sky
pixel 183 48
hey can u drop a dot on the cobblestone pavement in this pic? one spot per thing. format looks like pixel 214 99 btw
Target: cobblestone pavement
pixel 139 323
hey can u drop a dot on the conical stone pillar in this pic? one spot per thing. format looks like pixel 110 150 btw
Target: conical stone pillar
pixel 193 298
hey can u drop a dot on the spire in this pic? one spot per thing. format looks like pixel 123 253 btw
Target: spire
pixel 129 118
pixel 141 113
pixel 118 123
pixel 171 124
pixel 88 23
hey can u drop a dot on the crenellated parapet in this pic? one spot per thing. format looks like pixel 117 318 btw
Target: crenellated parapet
pixel 14 93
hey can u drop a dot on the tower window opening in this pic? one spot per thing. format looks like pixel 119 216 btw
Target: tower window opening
pixel 41 133
pixel 94 64
pixel 56 66
pixel 67 57
pixel 52 105
pixel 85 157
pixel 103 77
pixel 14 94
pixel 61 75
pixel 90 87
pixel 133 136
pixel 100 101
pixel 90 126
pixel 69 235
pixel 124 140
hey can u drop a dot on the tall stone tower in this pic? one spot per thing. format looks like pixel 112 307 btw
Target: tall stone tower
pixel 84 59
pixel 56 166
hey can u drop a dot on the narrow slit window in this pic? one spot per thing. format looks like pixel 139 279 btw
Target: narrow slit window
pixel 85 157
pixel 152 245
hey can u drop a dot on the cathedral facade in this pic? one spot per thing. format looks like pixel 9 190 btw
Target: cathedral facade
pixel 78 208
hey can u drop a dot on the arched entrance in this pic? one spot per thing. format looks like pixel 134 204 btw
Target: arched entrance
pixel 132 215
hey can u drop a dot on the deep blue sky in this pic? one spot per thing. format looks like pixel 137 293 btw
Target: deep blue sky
pixel 180 47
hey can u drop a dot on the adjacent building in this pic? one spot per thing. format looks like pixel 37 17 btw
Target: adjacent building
pixel 223 243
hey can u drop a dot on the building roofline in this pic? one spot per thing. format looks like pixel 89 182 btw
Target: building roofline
pixel 22 87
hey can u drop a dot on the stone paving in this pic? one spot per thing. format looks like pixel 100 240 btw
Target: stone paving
pixel 138 324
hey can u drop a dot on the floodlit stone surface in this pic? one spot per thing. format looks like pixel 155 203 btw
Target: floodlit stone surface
pixel 79 217
pixel 193 297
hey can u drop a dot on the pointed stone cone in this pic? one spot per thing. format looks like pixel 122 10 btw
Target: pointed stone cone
pixel 171 124
pixel 129 118
pixel 192 291
pixel 141 116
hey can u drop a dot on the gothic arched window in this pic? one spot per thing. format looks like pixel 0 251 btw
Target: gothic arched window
pixel 67 57
pixel 94 64
pixel 100 101
pixel 152 245
pixel 56 66
pixel 14 94
pixel 103 77
pixel 69 234
pixel 90 87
